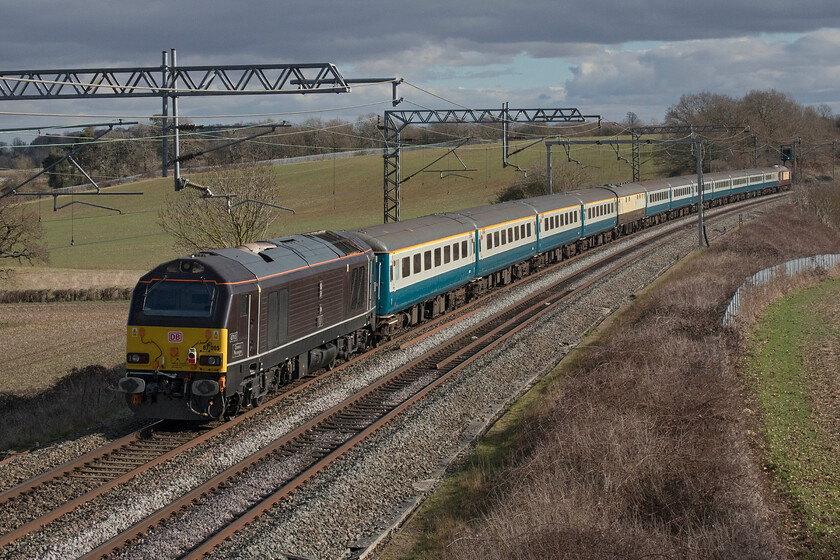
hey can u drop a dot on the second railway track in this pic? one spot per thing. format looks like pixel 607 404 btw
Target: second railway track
pixel 326 445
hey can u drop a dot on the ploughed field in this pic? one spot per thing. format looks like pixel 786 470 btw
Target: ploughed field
pixel 44 341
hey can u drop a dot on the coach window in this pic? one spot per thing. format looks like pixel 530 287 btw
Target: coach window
pixel 418 260
pixel 496 238
pixel 489 241
pixel 528 228
pixel 446 254
pixel 504 237
pixel 427 259
pixel 464 249
pixel 437 256
pixel 406 267
pixel 455 254
pixel 522 230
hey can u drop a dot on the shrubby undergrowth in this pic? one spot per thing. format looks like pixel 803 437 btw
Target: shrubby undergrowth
pixel 642 447
pixel 56 295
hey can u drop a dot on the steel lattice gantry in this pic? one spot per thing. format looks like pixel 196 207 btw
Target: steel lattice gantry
pixel 161 81
pixel 170 81
pixel 396 121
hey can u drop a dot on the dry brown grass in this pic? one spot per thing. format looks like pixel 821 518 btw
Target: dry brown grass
pixel 643 448
pixel 86 396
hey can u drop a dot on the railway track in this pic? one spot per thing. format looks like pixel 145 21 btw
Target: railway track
pixel 318 444
pixel 34 503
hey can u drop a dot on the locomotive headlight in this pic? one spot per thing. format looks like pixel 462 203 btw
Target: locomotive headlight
pixel 210 360
pixel 137 358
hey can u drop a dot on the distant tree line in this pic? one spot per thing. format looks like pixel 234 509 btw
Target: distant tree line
pixel 757 125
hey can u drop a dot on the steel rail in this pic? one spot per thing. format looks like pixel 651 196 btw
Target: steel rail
pixel 59 471
pixel 535 305
pixel 458 353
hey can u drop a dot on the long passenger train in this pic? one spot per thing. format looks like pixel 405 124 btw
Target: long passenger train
pixel 213 332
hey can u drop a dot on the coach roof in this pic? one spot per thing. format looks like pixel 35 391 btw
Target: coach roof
pixel 394 236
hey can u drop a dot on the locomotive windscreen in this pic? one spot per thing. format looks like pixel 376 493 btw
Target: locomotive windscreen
pixel 169 298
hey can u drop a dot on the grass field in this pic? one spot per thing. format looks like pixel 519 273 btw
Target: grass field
pixel 339 193
pixel 793 367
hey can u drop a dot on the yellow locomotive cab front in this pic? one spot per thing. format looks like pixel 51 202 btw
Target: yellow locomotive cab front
pixel 173 350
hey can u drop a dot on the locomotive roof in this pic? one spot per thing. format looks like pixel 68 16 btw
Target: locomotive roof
pixel 271 257
pixel 394 236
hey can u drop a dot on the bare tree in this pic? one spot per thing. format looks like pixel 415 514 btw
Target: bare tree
pixel 198 223
pixel 564 177
pixel 632 119
pixel 21 234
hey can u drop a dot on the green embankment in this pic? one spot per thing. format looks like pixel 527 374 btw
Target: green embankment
pixel 794 369
pixel 339 193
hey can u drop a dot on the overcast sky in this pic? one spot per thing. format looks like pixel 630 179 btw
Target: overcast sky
pixel 603 57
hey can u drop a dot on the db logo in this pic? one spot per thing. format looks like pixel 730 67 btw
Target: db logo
pixel 176 336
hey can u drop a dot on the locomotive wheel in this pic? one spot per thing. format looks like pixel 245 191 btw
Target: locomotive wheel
pixel 234 404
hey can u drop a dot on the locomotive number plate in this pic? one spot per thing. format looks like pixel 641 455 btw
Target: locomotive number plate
pixel 176 336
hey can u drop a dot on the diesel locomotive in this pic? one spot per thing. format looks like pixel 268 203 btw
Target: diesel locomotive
pixel 213 332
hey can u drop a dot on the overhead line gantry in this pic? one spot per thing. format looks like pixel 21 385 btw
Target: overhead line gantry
pixel 396 121
pixel 170 81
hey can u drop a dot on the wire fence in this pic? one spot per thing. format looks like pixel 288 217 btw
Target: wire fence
pixel 763 277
